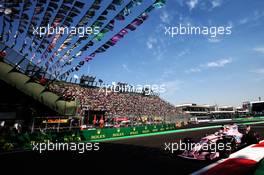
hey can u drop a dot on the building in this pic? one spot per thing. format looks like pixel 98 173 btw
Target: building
pixel 209 112
pixel 193 109
pixel 206 112
pixel 257 108
pixel 222 112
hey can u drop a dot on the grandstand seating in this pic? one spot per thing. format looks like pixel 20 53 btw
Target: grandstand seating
pixel 35 90
pixel 114 103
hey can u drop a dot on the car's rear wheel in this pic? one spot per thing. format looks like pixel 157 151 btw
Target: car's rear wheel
pixel 229 147
pixel 209 157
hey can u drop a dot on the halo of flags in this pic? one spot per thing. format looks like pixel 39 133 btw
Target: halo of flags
pixel 54 51
pixel 108 27
pixel 60 20
pixel 23 20
pixel 9 11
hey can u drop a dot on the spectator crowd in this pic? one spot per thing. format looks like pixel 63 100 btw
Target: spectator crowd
pixel 114 103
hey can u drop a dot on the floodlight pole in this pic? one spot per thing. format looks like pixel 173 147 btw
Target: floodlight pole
pixel 33 125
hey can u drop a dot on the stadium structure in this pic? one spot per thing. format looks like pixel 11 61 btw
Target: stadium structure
pixel 39 56
pixel 42 102
pixel 38 90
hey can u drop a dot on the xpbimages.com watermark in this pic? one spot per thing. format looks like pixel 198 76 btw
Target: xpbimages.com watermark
pixel 182 146
pixel 80 147
pixel 211 31
pixel 80 31
pixel 147 89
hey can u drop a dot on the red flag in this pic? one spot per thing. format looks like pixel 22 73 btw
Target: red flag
pixel 102 118
pixel 94 120
pixel 101 121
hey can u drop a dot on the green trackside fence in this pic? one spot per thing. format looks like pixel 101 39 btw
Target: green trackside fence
pixel 105 133
pixel 25 140
pixel 249 119
pixel 97 135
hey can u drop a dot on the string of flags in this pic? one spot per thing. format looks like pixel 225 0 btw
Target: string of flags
pixel 107 28
pixel 23 21
pixel 6 9
pixel 90 13
pixel 60 20
pixel 98 23
pixel 116 38
pixel 39 41
pixel 56 13
pixel 39 8
pixel 106 45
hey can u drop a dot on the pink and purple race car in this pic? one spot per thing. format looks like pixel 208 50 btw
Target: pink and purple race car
pixel 218 145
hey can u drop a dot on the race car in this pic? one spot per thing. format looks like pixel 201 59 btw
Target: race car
pixel 218 145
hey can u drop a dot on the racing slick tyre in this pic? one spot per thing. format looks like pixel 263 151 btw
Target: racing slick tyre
pixel 186 141
pixel 250 138
pixel 226 146
pixel 208 157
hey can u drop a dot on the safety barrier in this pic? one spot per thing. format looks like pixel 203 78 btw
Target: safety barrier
pixel 105 133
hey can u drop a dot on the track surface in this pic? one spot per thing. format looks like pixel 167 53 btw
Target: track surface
pixel 143 155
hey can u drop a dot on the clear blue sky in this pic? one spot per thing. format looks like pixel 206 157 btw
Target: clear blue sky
pixel 227 70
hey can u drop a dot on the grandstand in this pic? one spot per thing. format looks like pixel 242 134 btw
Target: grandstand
pixel 38 68
pixel 115 103
pixel 16 76
pixel 62 96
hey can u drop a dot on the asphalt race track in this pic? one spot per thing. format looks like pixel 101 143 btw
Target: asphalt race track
pixel 143 155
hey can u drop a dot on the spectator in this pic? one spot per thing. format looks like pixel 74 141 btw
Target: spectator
pixel 115 103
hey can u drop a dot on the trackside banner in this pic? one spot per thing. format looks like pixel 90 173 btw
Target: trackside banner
pixel 128 131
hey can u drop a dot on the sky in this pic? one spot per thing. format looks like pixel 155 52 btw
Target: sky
pixel 225 70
